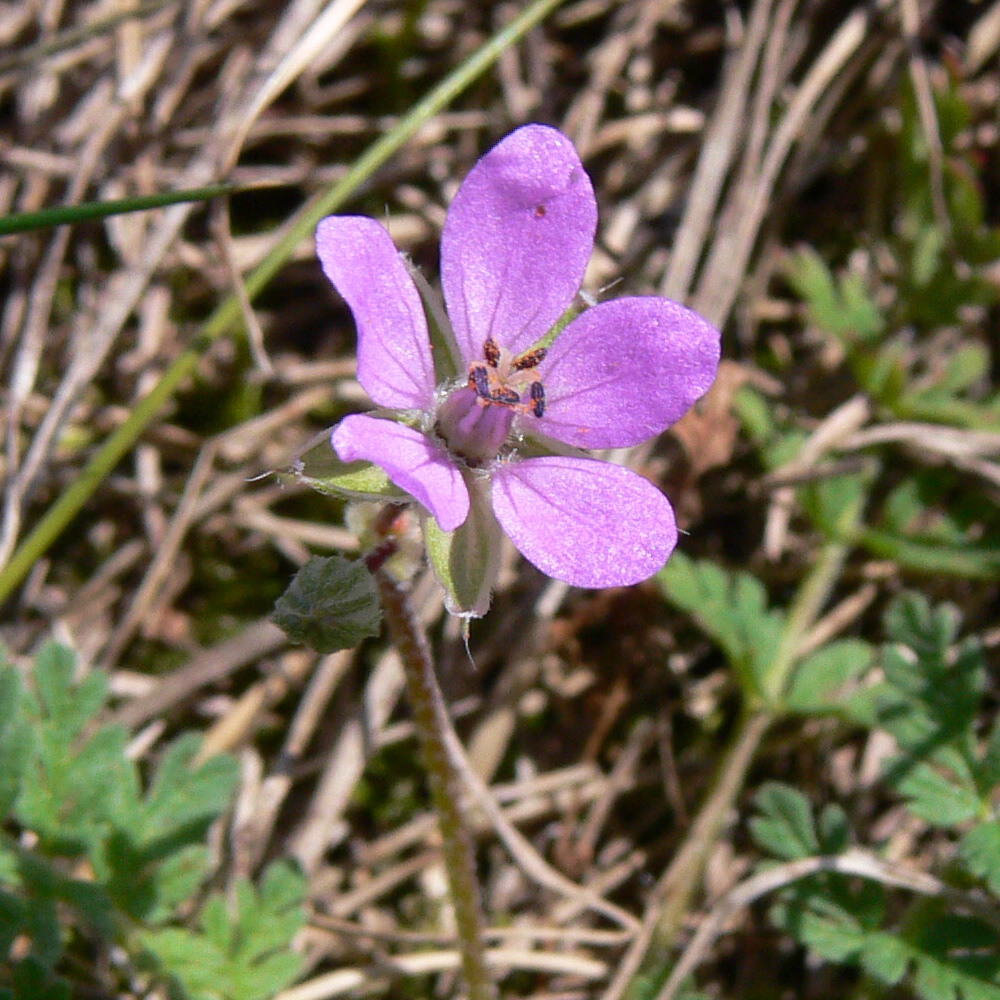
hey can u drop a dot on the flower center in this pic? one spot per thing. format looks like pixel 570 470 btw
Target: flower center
pixel 474 421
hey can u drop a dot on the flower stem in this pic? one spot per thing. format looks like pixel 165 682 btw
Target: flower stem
pixel 429 715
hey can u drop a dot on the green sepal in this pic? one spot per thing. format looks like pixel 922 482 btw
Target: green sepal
pixel 445 351
pixel 319 468
pixel 573 310
pixel 466 561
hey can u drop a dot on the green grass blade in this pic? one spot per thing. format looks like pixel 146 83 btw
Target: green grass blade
pixel 66 215
pixel 227 315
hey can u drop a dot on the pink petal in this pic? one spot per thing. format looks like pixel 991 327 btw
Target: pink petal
pixel 624 371
pixel 517 240
pixel 411 460
pixel 394 349
pixel 589 523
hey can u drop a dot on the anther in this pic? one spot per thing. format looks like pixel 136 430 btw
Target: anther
pixel 507 397
pixel 491 351
pixel 530 359
pixel 537 399
pixel 480 381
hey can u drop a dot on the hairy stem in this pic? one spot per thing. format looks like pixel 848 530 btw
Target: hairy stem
pixel 430 718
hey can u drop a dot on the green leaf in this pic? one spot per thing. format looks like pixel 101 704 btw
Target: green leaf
pixel 944 956
pixel 972 562
pixel 319 468
pixel 833 829
pixel 30 980
pixel 835 503
pixel 969 364
pixel 819 678
pixel 785 824
pixel 927 252
pixel 939 799
pixel 242 949
pixel 730 608
pixel 181 794
pixel 177 879
pixel 844 309
pixel 953 956
pixel 332 603
pixel 67 704
pixel 69 214
pixel 980 850
pixel 16 738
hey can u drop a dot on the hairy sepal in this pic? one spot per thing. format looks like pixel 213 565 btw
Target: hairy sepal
pixel 466 561
pixel 319 468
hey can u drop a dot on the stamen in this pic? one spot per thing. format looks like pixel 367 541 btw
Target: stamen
pixel 530 359
pixel 491 351
pixel 537 399
pixel 506 397
pixel 479 380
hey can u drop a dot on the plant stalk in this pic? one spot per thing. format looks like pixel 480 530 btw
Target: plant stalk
pixel 430 718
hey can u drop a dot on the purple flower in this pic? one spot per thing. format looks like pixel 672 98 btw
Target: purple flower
pixel 490 423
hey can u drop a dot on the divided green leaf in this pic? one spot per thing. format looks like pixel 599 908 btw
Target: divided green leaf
pixel 67 778
pixel 240 949
pixel 730 608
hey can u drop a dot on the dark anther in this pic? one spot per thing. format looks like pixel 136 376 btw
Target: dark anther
pixel 539 211
pixel 508 397
pixel 538 399
pixel 480 381
pixel 530 359
pixel 491 352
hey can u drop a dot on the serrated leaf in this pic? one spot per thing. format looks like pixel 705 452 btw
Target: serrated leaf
pixel 177 879
pixel 912 621
pixel 16 738
pixel 732 609
pixel 844 308
pixel 243 949
pixel 833 829
pixel 331 604
pixel 216 924
pixel 936 798
pixel 954 956
pixel 181 794
pixel 785 825
pixel 319 468
pixel 269 924
pixel 67 704
pixel 827 929
pixel 818 679
pixel 885 957
pixel 980 850
pixel 946 957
